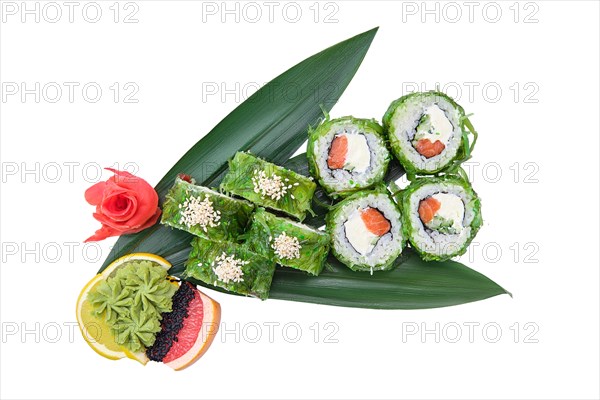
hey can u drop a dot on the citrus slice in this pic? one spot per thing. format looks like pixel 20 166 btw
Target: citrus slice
pixel 187 331
pixel 96 331
pixel 134 257
pixel 197 334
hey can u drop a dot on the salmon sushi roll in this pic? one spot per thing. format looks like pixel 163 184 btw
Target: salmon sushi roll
pixel 425 131
pixel 441 216
pixel 366 230
pixel 347 155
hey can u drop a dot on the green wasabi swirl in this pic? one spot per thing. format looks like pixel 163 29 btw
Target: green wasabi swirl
pixel 132 302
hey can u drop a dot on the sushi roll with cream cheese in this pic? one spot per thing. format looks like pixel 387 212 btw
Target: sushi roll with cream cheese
pixel 347 155
pixel 441 216
pixel 366 230
pixel 427 132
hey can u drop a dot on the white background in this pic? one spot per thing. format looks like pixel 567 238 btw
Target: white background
pixel 174 54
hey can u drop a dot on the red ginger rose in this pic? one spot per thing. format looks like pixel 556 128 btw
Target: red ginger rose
pixel 124 204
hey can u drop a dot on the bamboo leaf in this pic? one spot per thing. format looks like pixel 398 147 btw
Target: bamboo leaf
pixel 272 123
pixel 414 284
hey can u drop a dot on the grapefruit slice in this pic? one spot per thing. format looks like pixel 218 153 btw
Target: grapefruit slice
pixel 96 331
pixel 188 331
pixel 190 346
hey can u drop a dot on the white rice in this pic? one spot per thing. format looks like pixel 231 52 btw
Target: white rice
pixel 432 241
pixel 341 179
pixel 388 246
pixel 405 121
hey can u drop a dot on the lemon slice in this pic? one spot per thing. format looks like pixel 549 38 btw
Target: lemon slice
pixel 96 331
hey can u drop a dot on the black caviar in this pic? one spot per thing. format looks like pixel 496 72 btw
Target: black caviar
pixel 172 322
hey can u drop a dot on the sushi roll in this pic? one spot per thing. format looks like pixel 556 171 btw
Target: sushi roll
pixel 425 131
pixel 287 242
pixel 441 216
pixel 204 212
pixel 230 266
pixel 269 185
pixel 347 155
pixel 366 230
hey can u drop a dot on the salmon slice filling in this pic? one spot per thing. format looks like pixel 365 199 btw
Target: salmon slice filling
pixel 337 152
pixel 442 212
pixel 349 151
pixel 364 228
pixel 428 208
pixel 433 132
pixel 375 222
pixel 428 149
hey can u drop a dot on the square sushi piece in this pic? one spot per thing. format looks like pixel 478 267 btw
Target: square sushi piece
pixel 289 243
pixel 269 185
pixel 230 266
pixel 204 212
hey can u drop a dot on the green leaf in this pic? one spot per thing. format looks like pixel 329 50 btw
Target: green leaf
pixel 414 284
pixel 272 123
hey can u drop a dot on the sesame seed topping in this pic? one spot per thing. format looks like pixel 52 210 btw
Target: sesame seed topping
pixel 197 212
pixel 286 246
pixel 273 186
pixel 229 268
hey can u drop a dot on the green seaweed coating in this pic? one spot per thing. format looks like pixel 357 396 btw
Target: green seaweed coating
pixel 363 125
pixel 243 172
pixel 474 204
pixel 266 227
pixel 234 213
pixel 411 169
pixel 336 214
pixel 257 271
